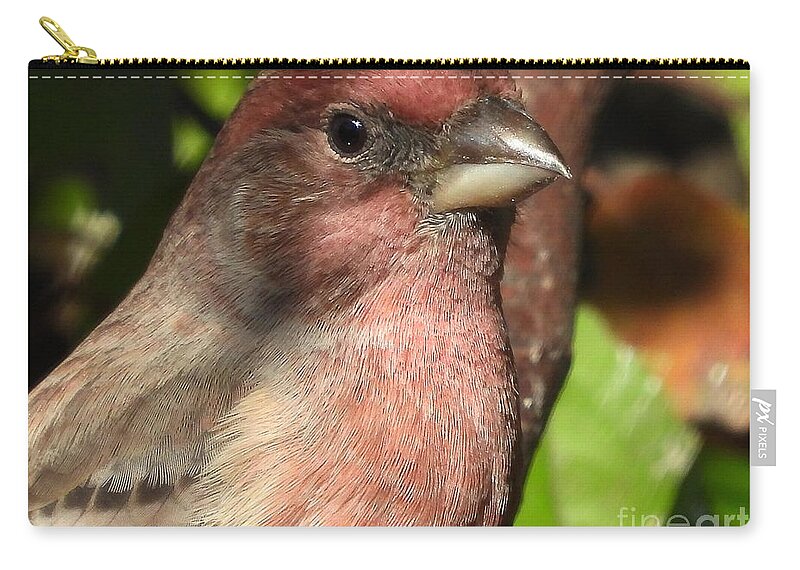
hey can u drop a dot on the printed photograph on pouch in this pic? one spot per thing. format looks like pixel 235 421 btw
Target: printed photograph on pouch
pixel 416 295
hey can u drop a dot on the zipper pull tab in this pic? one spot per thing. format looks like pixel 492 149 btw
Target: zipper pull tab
pixel 72 52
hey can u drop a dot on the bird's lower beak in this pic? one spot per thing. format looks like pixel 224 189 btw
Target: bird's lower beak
pixel 494 154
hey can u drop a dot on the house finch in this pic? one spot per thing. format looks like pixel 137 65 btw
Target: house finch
pixel 319 337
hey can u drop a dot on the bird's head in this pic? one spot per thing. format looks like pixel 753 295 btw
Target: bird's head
pixel 320 182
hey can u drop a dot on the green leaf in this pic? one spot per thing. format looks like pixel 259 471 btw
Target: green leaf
pixel 218 97
pixel 613 452
pixel 726 478
pixel 738 90
pixel 190 144
pixel 536 507
pixel 65 199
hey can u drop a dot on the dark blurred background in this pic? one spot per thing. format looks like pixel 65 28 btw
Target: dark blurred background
pixel 108 164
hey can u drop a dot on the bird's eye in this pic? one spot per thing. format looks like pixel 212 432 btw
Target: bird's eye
pixel 347 134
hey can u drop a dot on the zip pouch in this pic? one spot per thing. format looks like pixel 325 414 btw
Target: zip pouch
pixel 385 292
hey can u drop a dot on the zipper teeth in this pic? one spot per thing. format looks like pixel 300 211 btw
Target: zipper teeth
pixel 456 63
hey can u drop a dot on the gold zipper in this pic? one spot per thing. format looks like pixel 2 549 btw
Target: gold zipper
pixel 72 52
pixel 75 54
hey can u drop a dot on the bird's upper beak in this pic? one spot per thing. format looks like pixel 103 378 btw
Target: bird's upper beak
pixel 494 154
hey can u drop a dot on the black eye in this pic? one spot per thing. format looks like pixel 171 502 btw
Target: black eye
pixel 347 134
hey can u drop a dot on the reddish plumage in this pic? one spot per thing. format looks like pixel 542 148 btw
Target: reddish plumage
pixel 296 97
pixel 308 345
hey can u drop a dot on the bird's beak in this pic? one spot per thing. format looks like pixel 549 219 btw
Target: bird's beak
pixel 493 155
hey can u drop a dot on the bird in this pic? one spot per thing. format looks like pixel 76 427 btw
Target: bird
pixel 319 337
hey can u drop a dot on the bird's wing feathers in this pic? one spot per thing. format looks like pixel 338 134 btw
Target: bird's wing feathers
pixel 103 441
